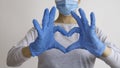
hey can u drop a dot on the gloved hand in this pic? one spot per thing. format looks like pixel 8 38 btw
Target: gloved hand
pixel 45 39
pixel 88 39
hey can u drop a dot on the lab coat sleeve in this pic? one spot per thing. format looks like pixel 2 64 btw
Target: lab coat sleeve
pixel 15 56
pixel 113 60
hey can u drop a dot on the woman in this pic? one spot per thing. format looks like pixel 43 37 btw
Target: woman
pixel 67 53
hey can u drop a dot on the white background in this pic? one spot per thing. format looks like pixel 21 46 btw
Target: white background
pixel 16 19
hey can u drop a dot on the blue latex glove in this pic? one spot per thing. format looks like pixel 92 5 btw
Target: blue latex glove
pixel 88 39
pixel 45 39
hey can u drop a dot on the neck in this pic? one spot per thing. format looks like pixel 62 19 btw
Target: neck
pixel 65 19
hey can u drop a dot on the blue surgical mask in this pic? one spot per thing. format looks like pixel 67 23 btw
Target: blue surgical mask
pixel 66 6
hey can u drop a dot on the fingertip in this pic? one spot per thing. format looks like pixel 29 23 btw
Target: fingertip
pixel 34 19
pixel 46 9
pixel 82 13
pixel 62 49
pixel 54 8
pixel 52 16
pixel 92 14
pixel 34 22
pixel 46 12
pixel 80 9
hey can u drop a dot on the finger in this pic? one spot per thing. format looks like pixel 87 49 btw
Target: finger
pixel 73 30
pixel 60 47
pixel 37 26
pixel 92 17
pixel 77 18
pixel 52 16
pixel 73 46
pixel 60 29
pixel 83 17
pixel 45 19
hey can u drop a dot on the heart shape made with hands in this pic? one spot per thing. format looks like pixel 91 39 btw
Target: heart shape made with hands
pixel 46 40
pixel 67 38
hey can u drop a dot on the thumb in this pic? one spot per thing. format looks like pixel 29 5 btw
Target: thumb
pixel 60 47
pixel 73 46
